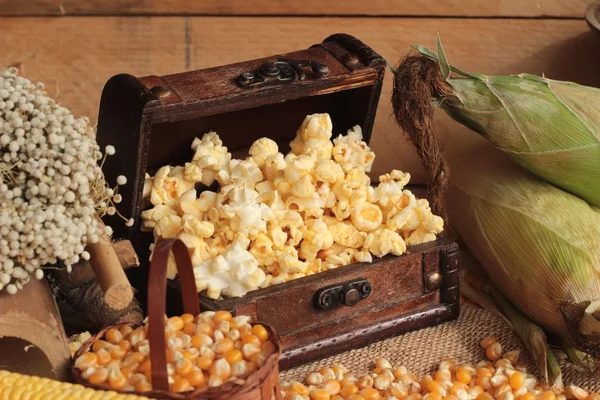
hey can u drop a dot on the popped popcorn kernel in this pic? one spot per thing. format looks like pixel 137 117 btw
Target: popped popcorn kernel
pixel 277 217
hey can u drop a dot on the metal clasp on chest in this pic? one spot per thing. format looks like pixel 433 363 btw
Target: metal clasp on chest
pixel 348 293
pixel 282 70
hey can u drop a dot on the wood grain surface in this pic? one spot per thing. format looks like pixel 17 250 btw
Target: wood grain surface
pixel 75 56
pixel 471 8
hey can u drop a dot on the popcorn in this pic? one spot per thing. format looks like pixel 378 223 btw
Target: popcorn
pixel 384 241
pixel 318 148
pixel 199 250
pixel 197 227
pixel 262 149
pixel 350 151
pixel 192 172
pixel 315 237
pixel 278 237
pixel 298 167
pixel 343 257
pixel 206 201
pixel 363 257
pixel 169 226
pixel 262 249
pixel 273 200
pixel 303 188
pixel 188 204
pixel 279 217
pixel 313 137
pixel 329 171
pixel 289 263
pixel 390 187
pixel 345 234
pixel 168 185
pixel 273 164
pixel 235 272
pixel 366 217
pixel 310 206
pixel 402 211
pixel 210 155
pixel 246 173
pixel 152 216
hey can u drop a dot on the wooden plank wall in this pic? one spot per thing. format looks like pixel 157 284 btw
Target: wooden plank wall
pixel 74 46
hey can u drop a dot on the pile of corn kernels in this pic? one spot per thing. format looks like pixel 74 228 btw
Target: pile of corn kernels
pixel 499 377
pixel 203 351
pixel 277 217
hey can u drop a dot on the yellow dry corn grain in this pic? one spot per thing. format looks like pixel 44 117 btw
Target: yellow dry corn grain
pixel 15 386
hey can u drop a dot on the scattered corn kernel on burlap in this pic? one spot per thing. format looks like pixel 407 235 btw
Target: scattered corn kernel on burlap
pixel 421 351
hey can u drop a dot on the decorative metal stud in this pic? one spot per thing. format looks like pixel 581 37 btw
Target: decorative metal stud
pixel 160 91
pixel 433 282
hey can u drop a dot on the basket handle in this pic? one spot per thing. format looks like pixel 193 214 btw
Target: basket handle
pixel 157 291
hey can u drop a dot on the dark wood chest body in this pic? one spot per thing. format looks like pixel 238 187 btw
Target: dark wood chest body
pixel 153 120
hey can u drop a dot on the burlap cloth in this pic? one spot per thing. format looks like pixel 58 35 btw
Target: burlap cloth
pixel 421 351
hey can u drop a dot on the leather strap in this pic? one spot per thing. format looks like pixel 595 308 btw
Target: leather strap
pixel 157 291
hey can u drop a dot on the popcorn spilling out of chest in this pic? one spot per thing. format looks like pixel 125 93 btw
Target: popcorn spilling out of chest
pixel 277 217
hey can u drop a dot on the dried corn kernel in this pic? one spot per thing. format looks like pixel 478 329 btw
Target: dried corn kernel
pixel 319 394
pixel 488 341
pixel 348 390
pixel 116 380
pixel 113 336
pixel 221 368
pixel 299 388
pixel 517 380
pixel 223 346
pixel 222 316
pixel 121 362
pixel 463 375
pixel 260 332
pixel 85 361
pixel 486 382
pixel 98 377
pixel 493 351
pixel 180 385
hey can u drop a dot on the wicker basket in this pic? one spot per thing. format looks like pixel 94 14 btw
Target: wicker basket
pixel 263 384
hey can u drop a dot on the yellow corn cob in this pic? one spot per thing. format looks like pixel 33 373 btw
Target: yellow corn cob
pixel 15 386
pixel 551 128
pixel 537 243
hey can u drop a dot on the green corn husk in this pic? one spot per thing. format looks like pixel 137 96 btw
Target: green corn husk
pixel 548 127
pixel 534 339
pixel 539 245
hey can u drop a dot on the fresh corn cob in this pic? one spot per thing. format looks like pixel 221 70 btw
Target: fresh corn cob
pixel 551 128
pixel 15 386
pixel 538 244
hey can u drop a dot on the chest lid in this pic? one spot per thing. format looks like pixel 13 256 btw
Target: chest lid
pixel 152 121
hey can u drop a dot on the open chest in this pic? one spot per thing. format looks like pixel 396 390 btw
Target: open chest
pixel 152 122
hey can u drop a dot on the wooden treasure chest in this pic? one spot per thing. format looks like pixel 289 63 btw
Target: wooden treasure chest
pixel 152 122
